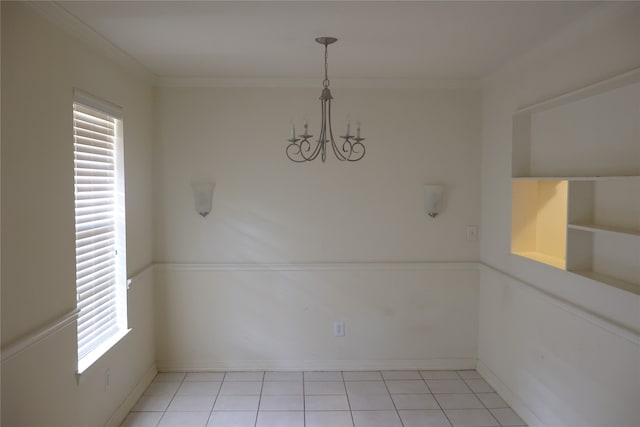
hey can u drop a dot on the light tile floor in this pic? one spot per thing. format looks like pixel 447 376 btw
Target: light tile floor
pixel 321 399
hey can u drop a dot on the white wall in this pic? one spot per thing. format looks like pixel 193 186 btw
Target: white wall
pixel 40 67
pixel 396 317
pixel 557 368
pixel 267 209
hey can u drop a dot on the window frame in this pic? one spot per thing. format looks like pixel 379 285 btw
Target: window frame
pixel 119 324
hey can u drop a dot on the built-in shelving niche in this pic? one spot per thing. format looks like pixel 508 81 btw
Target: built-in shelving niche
pixel 576 182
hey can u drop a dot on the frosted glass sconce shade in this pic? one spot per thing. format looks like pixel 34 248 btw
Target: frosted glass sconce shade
pixel 433 199
pixel 203 195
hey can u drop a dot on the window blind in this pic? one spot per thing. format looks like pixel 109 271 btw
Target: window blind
pixel 96 227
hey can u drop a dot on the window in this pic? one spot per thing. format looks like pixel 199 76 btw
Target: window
pixel 99 226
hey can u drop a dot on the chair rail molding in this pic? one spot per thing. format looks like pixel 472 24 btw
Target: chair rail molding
pixel 603 322
pixel 348 266
pixel 39 335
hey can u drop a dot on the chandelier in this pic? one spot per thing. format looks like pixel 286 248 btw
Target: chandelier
pixel 302 150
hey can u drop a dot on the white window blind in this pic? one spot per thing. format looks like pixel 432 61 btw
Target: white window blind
pixel 99 226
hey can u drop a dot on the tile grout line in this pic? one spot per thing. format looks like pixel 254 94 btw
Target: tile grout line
pixel 477 397
pixel 172 398
pixel 304 404
pixel 384 381
pixel 224 374
pixel 436 400
pixel 260 399
pixel 353 422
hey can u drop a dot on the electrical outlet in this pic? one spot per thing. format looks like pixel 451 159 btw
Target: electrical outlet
pixel 338 328
pixel 472 233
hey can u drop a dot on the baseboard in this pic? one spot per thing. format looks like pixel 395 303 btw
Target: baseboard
pixel 509 396
pixel 129 402
pixel 313 365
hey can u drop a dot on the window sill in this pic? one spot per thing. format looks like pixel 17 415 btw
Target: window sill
pixel 90 359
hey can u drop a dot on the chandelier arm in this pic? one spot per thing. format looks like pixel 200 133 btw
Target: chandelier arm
pixel 354 150
pixel 316 149
pixel 334 146
pixel 324 152
pixel 296 154
pixel 313 154
pixel 304 141
pixel 323 140
pixel 322 135
pixel 347 147
pixel 338 152
pixel 295 150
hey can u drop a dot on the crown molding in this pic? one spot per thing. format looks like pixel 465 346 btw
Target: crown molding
pixel 65 20
pixel 315 83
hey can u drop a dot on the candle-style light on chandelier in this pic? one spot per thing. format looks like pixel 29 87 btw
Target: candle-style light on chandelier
pixel 302 150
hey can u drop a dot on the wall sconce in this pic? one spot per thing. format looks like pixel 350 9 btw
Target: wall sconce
pixel 203 195
pixel 433 199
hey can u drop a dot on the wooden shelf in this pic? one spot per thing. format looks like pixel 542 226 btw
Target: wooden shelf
pixel 606 229
pixel 543 258
pixel 609 280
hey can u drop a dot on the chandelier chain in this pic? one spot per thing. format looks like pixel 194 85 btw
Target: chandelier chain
pixel 325 83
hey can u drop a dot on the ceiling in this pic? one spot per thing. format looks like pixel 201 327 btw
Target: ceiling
pixel 377 40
